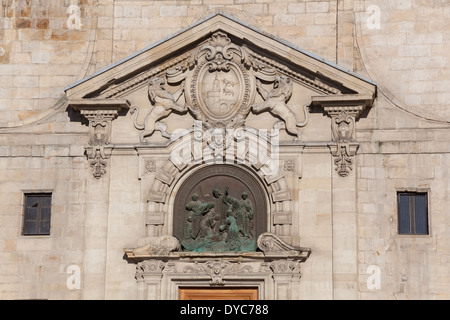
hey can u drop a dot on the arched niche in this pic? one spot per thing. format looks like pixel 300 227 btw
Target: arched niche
pixel 220 208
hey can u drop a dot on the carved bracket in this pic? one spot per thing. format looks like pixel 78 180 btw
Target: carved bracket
pixel 343 154
pixel 343 134
pixel 100 114
pixel 344 111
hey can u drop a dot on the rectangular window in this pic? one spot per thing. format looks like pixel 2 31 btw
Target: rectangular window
pixel 37 213
pixel 412 212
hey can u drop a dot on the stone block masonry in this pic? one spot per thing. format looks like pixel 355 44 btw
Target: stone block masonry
pixel 350 223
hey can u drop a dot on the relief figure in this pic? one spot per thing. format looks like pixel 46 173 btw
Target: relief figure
pixel 275 101
pixel 196 210
pixel 232 230
pixel 222 223
pixel 246 214
pixel 164 103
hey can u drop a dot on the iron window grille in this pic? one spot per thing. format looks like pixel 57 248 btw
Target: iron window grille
pixel 37 214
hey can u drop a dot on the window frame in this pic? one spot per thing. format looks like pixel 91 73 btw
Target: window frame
pixel 38 219
pixel 412 194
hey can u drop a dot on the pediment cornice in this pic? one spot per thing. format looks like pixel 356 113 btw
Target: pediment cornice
pixel 219 70
pixel 306 68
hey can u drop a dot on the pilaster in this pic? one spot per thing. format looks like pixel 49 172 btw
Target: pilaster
pixel 100 114
pixel 344 111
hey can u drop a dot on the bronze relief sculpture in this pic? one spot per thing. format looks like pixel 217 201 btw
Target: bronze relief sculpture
pixel 220 208
pixel 222 223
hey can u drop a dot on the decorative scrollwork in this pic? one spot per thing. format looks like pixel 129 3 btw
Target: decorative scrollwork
pixel 100 132
pixel 271 244
pixel 150 266
pixel 218 269
pixel 161 246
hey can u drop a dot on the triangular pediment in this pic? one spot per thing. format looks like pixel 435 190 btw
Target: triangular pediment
pixel 321 76
pixel 223 73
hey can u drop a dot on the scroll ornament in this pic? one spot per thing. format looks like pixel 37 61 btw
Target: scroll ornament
pixel 268 243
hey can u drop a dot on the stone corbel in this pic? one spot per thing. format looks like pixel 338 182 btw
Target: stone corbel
pixel 100 114
pixel 345 146
pixel 344 111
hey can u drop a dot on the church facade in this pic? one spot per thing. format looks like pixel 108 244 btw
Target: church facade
pixel 222 159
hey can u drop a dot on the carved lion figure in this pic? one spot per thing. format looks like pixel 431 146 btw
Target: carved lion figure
pixel 164 103
pixel 276 102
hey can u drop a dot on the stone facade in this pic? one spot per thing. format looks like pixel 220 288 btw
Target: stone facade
pixel 375 123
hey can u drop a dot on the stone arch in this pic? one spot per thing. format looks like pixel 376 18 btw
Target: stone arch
pixel 219 188
pixel 167 181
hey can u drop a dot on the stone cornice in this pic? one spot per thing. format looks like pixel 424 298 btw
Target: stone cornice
pixel 104 106
pixel 353 105
pixel 167 248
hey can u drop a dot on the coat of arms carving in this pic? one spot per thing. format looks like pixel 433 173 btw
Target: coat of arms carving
pixel 219 81
pixel 221 89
